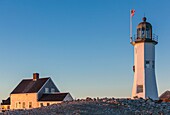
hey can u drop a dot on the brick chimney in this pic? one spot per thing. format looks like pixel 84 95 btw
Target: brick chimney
pixel 35 76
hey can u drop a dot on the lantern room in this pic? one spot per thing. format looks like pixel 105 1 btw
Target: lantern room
pixel 144 30
pixel 144 33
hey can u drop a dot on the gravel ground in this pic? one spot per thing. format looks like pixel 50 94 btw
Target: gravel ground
pixel 104 106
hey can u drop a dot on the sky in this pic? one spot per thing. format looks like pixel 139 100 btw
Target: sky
pixel 83 45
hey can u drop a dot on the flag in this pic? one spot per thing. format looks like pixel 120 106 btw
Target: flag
pixel 132 12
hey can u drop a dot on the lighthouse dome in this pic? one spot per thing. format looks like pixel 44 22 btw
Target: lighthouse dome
pixel 144 30
pixel 144 24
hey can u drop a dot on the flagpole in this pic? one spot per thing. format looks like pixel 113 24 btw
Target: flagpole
pixel 130 27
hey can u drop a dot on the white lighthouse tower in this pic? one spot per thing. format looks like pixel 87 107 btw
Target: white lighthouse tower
pixel 144 62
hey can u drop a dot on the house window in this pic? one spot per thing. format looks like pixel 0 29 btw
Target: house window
pixel 23 105
pixel 46 90
pixel 8 107
pixel 3 107
pixel 52 90
pixel 30 104
pixel 147 64
pixel 41 105
pixel 16 105
pixel 19 104
pixel 48 104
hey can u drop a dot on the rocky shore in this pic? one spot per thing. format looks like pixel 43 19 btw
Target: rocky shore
pixel 104 106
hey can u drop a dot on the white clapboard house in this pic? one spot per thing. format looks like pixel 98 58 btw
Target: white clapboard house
pixel 34 93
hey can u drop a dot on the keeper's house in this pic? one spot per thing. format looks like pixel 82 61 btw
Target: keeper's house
pixel 34 93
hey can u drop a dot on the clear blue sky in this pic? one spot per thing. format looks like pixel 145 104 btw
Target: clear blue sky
pixel 83 45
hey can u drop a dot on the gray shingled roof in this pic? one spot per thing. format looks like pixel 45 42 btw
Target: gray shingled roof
pixel 6 102
pixel 53 97
pixel 29 86
pixel 165 95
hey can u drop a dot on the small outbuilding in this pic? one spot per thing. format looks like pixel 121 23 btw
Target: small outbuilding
pixel 165 96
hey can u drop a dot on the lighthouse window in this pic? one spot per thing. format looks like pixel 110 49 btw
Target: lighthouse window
pixel 148 33
pixel 139 35
pixel 147 64
pixel 139 88
pixel 153 64
pixel 143 32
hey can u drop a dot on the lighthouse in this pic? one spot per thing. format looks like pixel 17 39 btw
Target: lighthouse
pixel 144 42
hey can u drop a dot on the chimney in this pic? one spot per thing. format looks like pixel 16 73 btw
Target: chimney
pixel 35 76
